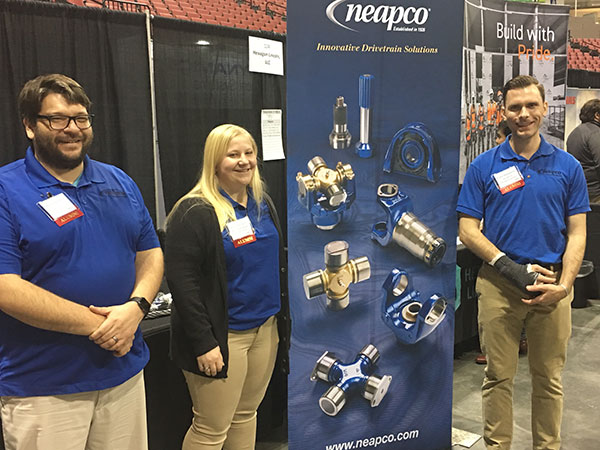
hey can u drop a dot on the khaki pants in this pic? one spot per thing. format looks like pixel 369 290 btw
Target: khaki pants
pixel 502 315
pixel 225 408
pixel 113 418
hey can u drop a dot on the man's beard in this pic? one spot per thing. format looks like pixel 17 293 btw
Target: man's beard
pixel 47 151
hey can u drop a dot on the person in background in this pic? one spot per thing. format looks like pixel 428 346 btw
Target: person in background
pixel 533 201
pixel 502 131
pixel 79 265
pixel 584 144
pixel 224 259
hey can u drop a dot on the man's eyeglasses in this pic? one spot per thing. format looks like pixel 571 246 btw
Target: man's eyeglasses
pixel 59 123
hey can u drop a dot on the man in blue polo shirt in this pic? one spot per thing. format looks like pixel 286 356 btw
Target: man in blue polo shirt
pixel 533 200
pixel 78 260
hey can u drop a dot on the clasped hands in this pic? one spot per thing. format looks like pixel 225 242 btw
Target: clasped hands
pixel 537 283
pixel 545 286
pixel 117 331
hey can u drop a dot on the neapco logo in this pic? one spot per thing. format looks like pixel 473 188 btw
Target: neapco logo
pixel 385 14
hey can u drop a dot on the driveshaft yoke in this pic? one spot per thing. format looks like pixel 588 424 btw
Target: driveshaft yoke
pixel 404 228
pixel 402 311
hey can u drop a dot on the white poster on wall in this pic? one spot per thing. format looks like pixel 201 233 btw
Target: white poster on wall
pixel 270 124
pixel 265 55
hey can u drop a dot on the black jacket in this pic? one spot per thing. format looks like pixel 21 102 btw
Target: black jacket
pixel 584 144
pixel 196 274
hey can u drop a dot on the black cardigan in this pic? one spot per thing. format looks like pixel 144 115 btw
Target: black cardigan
pixel 196 274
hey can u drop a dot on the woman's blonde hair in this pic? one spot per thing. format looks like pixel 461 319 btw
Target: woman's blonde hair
pixel 207 187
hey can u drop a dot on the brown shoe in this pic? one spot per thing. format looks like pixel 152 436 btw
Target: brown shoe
pixel 523 346
pixel 480 359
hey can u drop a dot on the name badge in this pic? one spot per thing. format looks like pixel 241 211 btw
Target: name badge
pixel 241 232
pixel 509 179
pixel 60 209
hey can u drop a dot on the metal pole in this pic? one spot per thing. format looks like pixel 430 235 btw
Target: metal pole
pixel 159 201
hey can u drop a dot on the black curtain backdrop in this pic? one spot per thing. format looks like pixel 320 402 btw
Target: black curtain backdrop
pixel 201 86
pixel 106 52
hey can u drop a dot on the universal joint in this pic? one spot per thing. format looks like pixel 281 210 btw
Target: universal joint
pixel 339 273
pixel 410 319
pixel 326 193
pixel 403 227
pixel 347 378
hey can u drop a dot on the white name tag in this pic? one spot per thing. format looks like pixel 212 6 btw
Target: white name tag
pixel 241 232
pixel 60 209
pixel 508 179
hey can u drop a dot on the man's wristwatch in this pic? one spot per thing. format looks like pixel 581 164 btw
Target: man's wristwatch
pixel 142 303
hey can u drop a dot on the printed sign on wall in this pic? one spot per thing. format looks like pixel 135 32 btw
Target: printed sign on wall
pixel 373 148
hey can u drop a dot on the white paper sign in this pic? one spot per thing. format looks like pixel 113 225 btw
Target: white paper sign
pixel 265 55
pixel 272 142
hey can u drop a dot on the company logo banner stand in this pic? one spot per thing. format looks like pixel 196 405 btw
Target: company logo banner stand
pixel 373 150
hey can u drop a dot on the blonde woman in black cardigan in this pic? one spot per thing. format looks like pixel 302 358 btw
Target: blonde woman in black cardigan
pixel 224 253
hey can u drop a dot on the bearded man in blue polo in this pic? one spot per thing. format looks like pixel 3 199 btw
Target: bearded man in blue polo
pixel 80 263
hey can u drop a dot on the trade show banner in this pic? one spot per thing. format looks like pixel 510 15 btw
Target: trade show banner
pixel 373 149
pixel 504 39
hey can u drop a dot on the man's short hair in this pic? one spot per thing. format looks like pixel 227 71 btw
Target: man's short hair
pixel 589 110
pixel 520 82
pixel 34 91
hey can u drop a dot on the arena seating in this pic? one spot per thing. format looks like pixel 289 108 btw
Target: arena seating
pixel 584 54
pixel 263 15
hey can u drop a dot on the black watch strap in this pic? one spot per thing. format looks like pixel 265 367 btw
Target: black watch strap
pixel 142 303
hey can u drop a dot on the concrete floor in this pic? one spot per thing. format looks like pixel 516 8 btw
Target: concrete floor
pixel 581 379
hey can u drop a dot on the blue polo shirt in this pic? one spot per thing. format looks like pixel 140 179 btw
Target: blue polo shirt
pixel 252 269
pixel 528 223
pixel 89 260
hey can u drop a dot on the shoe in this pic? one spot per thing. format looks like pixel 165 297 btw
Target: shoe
pixel 523 346
pixel 480 359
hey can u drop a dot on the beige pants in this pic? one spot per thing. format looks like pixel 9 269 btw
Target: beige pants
pixel 113 418
pixel 225 408
pixel 502 315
